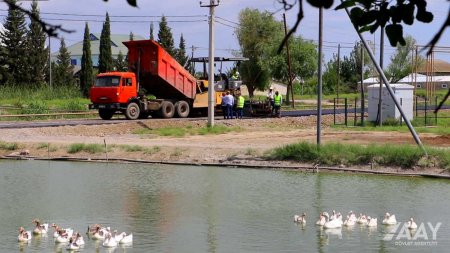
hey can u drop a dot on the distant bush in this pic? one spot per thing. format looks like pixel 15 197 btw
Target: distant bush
pixel 405 156
pixel 89 148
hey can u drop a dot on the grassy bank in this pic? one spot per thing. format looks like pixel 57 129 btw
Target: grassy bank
pixel 404 156
pixel 40 100
pixel 189 130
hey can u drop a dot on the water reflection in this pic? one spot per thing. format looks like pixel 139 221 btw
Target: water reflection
pixel 207 209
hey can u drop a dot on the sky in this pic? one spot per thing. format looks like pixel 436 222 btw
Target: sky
pixel 187 17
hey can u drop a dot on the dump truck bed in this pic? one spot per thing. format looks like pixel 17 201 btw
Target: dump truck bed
pixel 159 73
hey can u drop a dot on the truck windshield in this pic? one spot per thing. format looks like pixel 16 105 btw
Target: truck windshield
pixel 107 81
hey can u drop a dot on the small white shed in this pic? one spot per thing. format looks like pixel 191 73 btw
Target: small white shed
pixel 403 92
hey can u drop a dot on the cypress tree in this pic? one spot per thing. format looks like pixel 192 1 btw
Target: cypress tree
pixel 15 53
pixel 63 69
pixel 105 60
pixel 165 37
pixel 86 74
pixel 38 54
pixel 181 52
pixel 151 31
pixel 120 63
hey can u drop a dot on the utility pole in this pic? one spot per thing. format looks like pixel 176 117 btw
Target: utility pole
pixel 290 89
pixel 339 72
pixel 211 93
pixel 380 93
pixel 319 76
pixel 49 64
pixel 362 84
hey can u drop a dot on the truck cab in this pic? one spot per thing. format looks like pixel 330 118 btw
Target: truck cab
pixel 112 92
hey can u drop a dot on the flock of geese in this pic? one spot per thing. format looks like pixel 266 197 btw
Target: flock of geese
pixel 74 240
pixel 335 220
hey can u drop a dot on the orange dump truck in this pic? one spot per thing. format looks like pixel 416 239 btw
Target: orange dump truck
pixel 175 92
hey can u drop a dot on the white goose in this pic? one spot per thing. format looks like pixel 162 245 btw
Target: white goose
pixel 389 219
pixel 24 236
pixel 109 241
pixel 127 239
pixel 362 219
pixel 40 229
pixel 100 233
pixel 411 224
pixel 335 223
pixel 322 219
pixel 300 218
pixel 372 222
pixel 64 236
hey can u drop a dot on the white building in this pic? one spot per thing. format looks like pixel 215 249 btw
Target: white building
pixel 403 92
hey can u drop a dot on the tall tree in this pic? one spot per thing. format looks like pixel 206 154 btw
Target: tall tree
pixel 181 52
pixel 63 69
pixel 151 31
pixel 401 62
pixel 256 35
pixel 105 60
pixel 120 63
pixel 87 73
pixel 13 39
pixel 38 54
pixel 165 37
pixel 351 68
pixel 303 60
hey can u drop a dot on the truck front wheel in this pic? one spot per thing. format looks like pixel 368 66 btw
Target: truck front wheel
pixel 167 110
pixel 105 114
pixel 182 108
pixel 132 111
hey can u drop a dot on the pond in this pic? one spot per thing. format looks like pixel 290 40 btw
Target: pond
pixel 213 209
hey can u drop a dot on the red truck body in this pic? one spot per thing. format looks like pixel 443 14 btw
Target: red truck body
pixel 160 74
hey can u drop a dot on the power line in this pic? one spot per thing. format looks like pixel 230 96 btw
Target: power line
pixel 229 21
pixel 117 16
pixel 119 21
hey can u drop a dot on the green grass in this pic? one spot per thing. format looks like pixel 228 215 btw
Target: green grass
pixel 189 130
pixel 89 148
pixel 8 145
pixel 42 100
pixel 405 156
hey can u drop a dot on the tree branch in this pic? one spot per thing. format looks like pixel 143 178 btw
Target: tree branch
pixel 286 7
pixel 51 30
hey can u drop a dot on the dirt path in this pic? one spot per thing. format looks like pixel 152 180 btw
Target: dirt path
pixel 253 138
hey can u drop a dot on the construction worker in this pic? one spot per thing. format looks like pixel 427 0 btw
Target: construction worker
pixel 278 100
pixel 235 75
pixel 270 98
pixel 240 106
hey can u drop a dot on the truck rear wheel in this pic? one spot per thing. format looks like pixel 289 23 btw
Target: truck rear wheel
pixel 182 108
pixel 167 109
pixel 133 111
pixel 105 114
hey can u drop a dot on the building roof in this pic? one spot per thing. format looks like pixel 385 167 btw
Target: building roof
pixel 116 45
pixel 413 77
pixel 393 85
pixel 423 78
pixel 440 66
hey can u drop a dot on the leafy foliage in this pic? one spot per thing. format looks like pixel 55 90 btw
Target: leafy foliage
pixel 401 61
pixel 256 35
pixel 37 53
pixel 86 74
pixel 181 52
pixel 14 48
pixel 165 37
pixel 105 60
pixel 120 64
pixel 63 71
